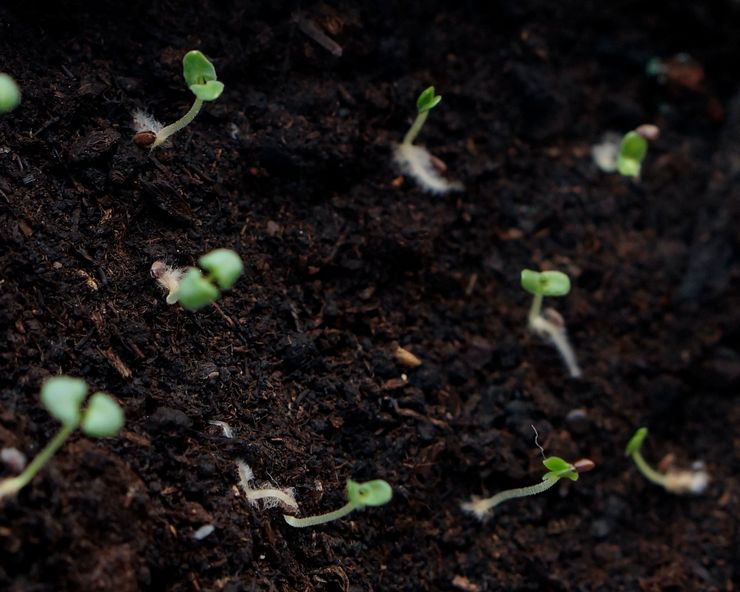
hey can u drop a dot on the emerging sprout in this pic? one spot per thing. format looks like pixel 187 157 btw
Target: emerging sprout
pixel 359 496
pixel 63 397
pixel 200 76
pixel 557 469
pixel 674 480
pixel 10 94
pixel 417 161
pixel 550 324
pixel 633 149
pixel 190 287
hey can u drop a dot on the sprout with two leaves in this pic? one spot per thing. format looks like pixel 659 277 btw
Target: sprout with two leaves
pixel 557 469
pixel 548 323
pixel 190 287
pixel 677 481
pixel 417 161
pixel 359 496
pixel 200 76
pixel 63 397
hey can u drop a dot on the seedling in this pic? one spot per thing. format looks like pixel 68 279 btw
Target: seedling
pixel 557 469
pixel 200 76
pixel 633 149
pixel 190 287
pixel 10 94
pixel 359 496
pixel 417 161
pixel 63 397
pixel 676 481
pixel 550 325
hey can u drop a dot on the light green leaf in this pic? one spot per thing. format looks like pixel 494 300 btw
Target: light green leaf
pixel 547 283
pixel 10 94
pixel 209 91
pixel 427 100
pixel 195 291
pixel 200 76
pixel 224 265
pixel 62 397
pixel 559 468
pixel 369 493
pixel 636 441
pixel 103 416
pixel 632 151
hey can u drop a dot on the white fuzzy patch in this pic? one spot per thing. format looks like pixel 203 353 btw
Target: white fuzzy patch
pixel 477 507
pixel 557 335
pixel 416 162
pixel 270 496
pixel 143 122
pixel 694 481
pixel 606 152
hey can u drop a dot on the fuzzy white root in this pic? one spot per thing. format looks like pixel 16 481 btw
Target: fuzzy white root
pixel 694 481
pixel 416 162
pixel 270 496
pixel 605 153
pixel 556 334
pixel 143 122
pixel 168 278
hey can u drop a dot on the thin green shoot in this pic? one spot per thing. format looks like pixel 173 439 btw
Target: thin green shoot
pixel 63 397
pixel 677 481
pixel 359 496
pixel 427 101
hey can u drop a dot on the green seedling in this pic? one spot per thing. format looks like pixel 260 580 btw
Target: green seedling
pixel 417 161
pixel 557 469
pixel 200 76
pixel 633 149
pixel 549 324
pixel 359 496
pixel 676 481
pixel 190 287
pixel 10 94
pixel 63 397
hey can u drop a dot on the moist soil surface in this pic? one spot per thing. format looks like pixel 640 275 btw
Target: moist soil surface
pixel 345 260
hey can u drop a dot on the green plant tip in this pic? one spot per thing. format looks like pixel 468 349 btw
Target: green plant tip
pixel 427 100
pixel 636 441
pixel 10 94
pixel 224 265
pixel 195 291
pixel 62 396
pixel 103 417
pixel 545 283
pixel 369 493
pixel 200 76
pixel 559 469
pixel 632 152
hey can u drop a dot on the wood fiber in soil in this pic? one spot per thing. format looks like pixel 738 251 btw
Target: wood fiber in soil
pixel 291 168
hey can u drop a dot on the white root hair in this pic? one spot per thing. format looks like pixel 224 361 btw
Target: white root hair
pixel 416 162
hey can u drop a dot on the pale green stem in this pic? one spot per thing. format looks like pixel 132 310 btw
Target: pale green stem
pixel 415 128
pixel 648 472
pixel 322 518
pixel 15 484
pixel 534 311
pixel 485 505
pixel 173 128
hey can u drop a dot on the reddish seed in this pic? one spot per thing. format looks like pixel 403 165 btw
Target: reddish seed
pixel 144 139
pixel 583 465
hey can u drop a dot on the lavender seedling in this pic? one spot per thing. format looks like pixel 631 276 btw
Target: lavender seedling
pixel 557 469
pixel 63 397
pixel 550 324
pixel 677 481
pixel 10 94
pixel 200 76
pixel 190 287
pixel 359 496
pixel 417 161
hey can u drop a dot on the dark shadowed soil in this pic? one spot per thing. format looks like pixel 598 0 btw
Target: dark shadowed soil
pixel 344 262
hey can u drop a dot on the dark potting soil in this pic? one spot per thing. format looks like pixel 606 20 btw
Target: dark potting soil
pixel 344 262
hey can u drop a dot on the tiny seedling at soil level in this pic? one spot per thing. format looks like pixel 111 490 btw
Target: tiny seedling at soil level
pixel 633 149
pixel 549 324
pixel 190 287
pixel 63 397
pixel 10 94
pixel 677 481
pixel 200 76
pixel 557 469
pixel 417 161
pixel 359 496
